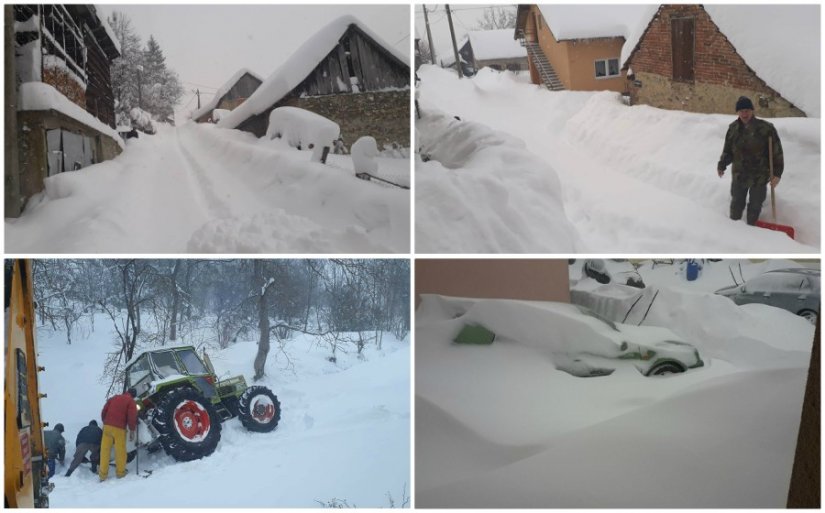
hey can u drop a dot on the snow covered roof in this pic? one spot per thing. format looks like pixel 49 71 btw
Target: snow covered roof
pixel 42 96
pixel 221 92
pixel 299 65
pixel 495 44
pixel 781 43
pixel 590 21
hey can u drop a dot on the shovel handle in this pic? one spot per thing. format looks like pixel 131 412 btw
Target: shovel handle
pixel 770 167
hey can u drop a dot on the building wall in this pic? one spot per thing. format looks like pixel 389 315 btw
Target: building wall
pixel 33 159
pixel 720 74
pixel 529 279
pixel 583 54
pixel 556 53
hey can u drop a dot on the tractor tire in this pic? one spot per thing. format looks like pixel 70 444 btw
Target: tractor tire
pixel 189 426
pixel 259 409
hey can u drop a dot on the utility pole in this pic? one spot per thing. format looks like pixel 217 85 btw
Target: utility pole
pixel 455 46
pixel 429 34
pixel 198 92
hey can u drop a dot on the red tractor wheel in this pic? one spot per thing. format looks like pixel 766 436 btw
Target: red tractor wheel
pixel 259 409
pixel 188 424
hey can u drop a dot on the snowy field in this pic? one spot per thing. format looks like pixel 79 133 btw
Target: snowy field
pixel 201 189
pixel 529 170
pixel 499 426
pixel 343 438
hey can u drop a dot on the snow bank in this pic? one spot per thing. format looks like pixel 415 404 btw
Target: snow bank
pixel 591 442
pixel 482 191
pixel 296 68
pixel 217 114
pixel 301 128
pixel 41 96
pixel 785 55
pixel 633 179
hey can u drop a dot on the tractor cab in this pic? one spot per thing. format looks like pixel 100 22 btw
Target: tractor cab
pixel 164 367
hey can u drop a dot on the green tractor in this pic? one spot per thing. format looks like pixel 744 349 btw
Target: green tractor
pixel 181 403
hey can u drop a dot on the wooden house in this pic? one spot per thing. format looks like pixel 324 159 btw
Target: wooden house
pixel 344 73
pixel 575 47
pixel 233 93
pixel 702 58
pixel 494 49
pixel 58 59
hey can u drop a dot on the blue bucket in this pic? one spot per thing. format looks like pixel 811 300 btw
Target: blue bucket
pixel 693 270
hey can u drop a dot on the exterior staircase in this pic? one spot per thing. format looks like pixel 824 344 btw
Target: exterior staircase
pixel 545 70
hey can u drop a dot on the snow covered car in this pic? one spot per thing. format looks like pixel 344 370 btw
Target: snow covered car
pixel 181 403
pixel 578 340
pixel 795 290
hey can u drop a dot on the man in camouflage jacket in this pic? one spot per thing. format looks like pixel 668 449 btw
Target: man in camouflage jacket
pixel 746 146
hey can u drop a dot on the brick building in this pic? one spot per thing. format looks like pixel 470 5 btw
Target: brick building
pixel 702 58
pixel 344 73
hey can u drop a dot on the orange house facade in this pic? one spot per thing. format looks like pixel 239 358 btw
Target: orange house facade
pixel 579 63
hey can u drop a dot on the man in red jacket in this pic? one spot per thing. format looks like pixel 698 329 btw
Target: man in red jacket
pixel 119 412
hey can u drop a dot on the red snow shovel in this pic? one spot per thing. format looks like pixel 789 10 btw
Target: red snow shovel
pixel 788 230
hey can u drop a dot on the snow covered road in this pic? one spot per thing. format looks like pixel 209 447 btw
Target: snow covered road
pixel 633 180
pixel 200 189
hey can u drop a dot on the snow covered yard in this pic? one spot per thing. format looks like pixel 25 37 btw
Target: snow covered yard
pixel 628 179
pixel 499 426
pixel 344 433
pixel 200 189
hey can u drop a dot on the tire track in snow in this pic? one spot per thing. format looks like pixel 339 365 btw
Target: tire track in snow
pixel 215 207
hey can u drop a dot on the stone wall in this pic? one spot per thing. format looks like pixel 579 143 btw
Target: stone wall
pixel 384 115
pixel 721 76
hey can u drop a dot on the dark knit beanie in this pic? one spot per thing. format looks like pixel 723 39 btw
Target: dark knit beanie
pixel 744 103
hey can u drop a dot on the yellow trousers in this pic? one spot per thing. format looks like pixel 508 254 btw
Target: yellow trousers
pixel 117 437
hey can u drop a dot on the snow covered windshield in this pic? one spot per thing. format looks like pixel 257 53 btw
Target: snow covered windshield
pixel 138 372
pixel 166 364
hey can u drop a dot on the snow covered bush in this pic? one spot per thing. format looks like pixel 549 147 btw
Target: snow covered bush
pixel 303 129
pixel 364 151
pixel 142 120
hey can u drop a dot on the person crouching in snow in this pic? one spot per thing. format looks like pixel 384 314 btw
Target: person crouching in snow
pixel 746 147
pixel 55 447
pixel 119 412
pixel 88 440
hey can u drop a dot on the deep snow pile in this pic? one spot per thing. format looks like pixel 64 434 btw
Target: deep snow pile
pixel 344 432
pixel 632 179
pixel 500 426
pixel 196 188
pixel 481 191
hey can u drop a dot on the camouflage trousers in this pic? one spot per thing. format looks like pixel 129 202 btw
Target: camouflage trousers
pixel 753 194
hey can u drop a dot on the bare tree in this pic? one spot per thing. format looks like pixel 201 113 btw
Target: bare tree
pixel 497 17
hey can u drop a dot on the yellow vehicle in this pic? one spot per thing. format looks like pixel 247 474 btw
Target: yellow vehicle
pixel 26 474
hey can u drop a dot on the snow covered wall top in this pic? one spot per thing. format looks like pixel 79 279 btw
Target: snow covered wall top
pixel 42 96
pixel 588 21
pixel 781 43
pixel 221 92
pixel 300 64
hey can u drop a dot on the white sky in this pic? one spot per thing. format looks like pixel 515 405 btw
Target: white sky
pixel 207 44
pixel 465 18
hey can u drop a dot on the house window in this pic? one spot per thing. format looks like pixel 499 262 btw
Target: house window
pixel 682 44
pixel 607 68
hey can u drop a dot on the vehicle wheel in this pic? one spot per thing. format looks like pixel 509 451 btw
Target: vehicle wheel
pixel 666 368
pixel 259 409
pixel 809 314
pixel 188 424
